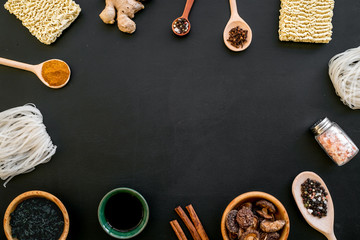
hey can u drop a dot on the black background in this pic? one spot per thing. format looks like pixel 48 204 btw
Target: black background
pixel 184 120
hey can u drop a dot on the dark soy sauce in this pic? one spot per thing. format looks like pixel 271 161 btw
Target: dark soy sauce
pixel 123 211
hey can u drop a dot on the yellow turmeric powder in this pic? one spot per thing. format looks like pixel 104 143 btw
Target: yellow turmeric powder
pixel 55 72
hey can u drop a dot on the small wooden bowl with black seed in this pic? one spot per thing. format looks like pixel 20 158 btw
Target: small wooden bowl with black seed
pixel 35 194
pixel 253 197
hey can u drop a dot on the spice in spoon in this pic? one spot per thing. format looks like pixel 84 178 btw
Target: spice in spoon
pixel 55 72
pixel 314 198
pixel 181 25
pixel 237 36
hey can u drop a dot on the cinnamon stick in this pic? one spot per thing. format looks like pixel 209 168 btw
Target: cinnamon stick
pixel 196 221
pixel 188 223
pixel 178 230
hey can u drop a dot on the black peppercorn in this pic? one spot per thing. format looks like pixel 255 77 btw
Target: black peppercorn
pixel 314 198
pixel 181 25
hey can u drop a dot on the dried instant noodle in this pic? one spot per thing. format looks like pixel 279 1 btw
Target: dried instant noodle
pixel 24 142
pixel 45 19
pixel 344 72
pixel 306 20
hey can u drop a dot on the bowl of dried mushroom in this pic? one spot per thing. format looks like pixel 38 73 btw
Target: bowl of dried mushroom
pixel 255 216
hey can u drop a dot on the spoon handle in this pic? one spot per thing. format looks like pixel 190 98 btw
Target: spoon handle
pixel 233 9
pixel 331 236
pixel 16 64
pixel 187 8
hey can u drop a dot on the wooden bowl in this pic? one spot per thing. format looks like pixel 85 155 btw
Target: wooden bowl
pixel 31 194
pixel 252 197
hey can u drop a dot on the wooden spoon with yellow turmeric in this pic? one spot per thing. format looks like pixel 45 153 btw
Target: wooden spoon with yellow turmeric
pixel 53 73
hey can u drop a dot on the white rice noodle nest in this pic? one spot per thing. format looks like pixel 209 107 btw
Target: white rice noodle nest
pixel 24 142
pixel 344 72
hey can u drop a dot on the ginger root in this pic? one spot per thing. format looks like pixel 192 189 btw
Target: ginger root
pixel 125 11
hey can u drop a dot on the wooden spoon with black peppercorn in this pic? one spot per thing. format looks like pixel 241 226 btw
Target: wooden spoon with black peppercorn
pixel 236 39
pixel 325 223
pixel 181 25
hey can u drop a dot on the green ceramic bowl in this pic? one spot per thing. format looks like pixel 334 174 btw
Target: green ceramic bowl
pixel 114 232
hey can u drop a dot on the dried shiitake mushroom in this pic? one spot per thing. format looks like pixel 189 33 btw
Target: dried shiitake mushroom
pixel 267 209
pixel 241 232
pixel 245 217
pixel 272 226
pixel 250 235
pixel 269 236
pixel 254 221
pixel 247 204
pixel 266 204
pixel 233 236
pixel 231 223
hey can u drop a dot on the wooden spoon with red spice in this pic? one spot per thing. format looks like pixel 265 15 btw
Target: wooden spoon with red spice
pixel 236 21
pixel 54 73
pixel 325 224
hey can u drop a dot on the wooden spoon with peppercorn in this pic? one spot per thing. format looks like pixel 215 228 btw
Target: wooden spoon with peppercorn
pixel 181 25
pixel 237 33
pixel 54 73
pixel 314 202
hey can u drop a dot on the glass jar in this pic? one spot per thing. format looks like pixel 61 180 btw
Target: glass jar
pixel 338 146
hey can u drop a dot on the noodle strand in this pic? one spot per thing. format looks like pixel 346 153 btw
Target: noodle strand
pixel 24 142
pixel 344 72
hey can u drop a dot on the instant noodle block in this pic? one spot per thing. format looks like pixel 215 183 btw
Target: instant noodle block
pixel 45 19
pixel 306 20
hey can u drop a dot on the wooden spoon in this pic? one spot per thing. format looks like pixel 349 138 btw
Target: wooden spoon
pixel 234 21
pixel 184 16
pixel 33 68
pixel 325 225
